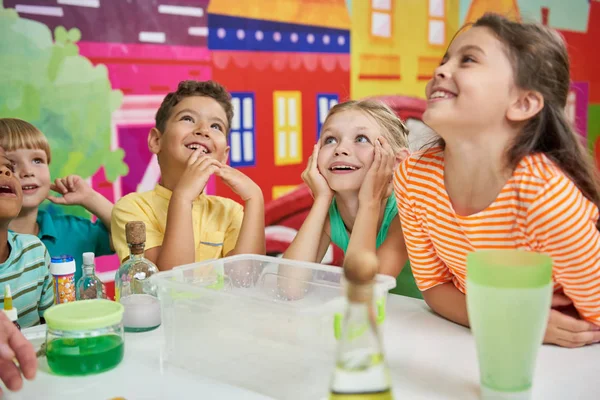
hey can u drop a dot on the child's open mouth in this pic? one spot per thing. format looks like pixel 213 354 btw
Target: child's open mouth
pixel 339 168
pixel 198 146
pixel 7 191
pixel 30 189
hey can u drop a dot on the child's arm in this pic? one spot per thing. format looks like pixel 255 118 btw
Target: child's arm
pixel 562 224
pixel 432 276
pixel 251 238
pixel 375 190
pixel 311 241
pixel 392 254
pixel 76 191
pixel 178 246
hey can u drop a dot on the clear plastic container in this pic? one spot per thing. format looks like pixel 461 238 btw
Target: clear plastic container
pixel 262 323
pixel 84 337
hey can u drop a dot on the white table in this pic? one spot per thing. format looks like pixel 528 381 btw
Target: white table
pixel 429 358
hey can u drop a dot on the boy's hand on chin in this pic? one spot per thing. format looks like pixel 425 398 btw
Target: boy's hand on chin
pixel 240 183
pixel 195 176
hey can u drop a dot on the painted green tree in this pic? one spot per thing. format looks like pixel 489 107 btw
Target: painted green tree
pixel 44 80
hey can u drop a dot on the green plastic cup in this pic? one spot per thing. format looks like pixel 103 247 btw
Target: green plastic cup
pixel 509 294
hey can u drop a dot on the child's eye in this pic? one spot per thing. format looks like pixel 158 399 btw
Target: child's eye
pixel 38 161
pixel 11 167
pixel 362 139
pixel 187 118
pixel 217 126
pixel 329 140
pixel 467 59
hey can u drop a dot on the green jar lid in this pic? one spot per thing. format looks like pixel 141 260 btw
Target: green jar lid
pixel 84 315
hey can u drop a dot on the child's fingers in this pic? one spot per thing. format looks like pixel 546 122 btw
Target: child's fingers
pixel 60 185
pixel 10 375
pixel 71 182
pixel 193 157
pixel 377 158
pixel 56 200
pixel 314 157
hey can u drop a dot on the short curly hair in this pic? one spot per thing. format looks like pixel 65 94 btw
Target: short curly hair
pixel 190 88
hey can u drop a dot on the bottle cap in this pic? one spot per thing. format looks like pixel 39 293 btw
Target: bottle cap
pixel 88 258
pixel 9 310
pixel 62 265
pixel 135 232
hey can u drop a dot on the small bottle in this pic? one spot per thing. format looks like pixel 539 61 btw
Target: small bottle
pixel 361 372
pixel 62 270
pixel 133 287
pixel 9 310
pixel 89 285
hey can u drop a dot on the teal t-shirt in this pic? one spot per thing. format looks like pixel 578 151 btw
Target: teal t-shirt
pixel 68 234
pixel 405 282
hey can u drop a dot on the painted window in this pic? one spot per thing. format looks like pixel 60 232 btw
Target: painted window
pixel 437 23
pixel 381 19
pixel 287 107
pixel 324 103
pixel 242 134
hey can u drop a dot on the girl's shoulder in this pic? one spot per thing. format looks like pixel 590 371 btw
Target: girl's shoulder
pixel 432 155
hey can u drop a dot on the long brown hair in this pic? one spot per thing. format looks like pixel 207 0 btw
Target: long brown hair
pixel 541 63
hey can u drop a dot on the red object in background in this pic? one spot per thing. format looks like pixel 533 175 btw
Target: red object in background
pixel 285 215
pixel 109 290
pixel 405 107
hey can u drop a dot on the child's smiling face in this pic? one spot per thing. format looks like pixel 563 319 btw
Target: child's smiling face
pixel 347 149
pixel 196 123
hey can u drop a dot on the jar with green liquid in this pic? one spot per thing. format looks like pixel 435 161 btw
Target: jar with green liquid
pixel 84 337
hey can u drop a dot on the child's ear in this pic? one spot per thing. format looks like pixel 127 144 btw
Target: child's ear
pixel 154 141
pixel 225 155
pixel 525 106
pixel 401 155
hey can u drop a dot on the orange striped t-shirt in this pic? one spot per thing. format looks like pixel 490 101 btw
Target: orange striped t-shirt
pixel 539 209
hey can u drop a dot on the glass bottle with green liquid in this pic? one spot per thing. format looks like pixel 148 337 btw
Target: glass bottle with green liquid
pixel 360 372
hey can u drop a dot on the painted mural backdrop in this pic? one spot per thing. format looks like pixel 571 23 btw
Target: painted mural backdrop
pixel 91 73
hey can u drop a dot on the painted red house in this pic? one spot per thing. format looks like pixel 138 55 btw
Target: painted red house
pixel 285 67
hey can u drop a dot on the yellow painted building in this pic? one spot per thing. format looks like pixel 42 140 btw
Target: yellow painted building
pixel 396 44
pixel 508 8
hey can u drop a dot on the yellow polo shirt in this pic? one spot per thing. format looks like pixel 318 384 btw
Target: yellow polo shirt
pixel 217 222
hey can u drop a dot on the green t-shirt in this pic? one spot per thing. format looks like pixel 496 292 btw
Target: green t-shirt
pixel 405 282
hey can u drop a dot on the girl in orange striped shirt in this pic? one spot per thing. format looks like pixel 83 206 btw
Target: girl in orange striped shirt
pixel 508 172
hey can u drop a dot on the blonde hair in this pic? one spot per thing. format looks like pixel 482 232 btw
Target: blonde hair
pixel 392 126
pixel 17 134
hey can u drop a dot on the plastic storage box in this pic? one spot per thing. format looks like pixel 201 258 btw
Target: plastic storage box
pixel 262 323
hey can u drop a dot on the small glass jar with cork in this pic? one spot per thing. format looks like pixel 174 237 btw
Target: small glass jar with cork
pixel 133 287
pixel 361 371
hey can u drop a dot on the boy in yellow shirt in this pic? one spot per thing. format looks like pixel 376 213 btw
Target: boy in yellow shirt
pixel 183 224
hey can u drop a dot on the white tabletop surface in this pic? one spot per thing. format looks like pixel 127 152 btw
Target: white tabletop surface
pixel 429 358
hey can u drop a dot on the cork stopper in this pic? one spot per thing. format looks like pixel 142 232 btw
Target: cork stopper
pixel 135 232
pixel 360 271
